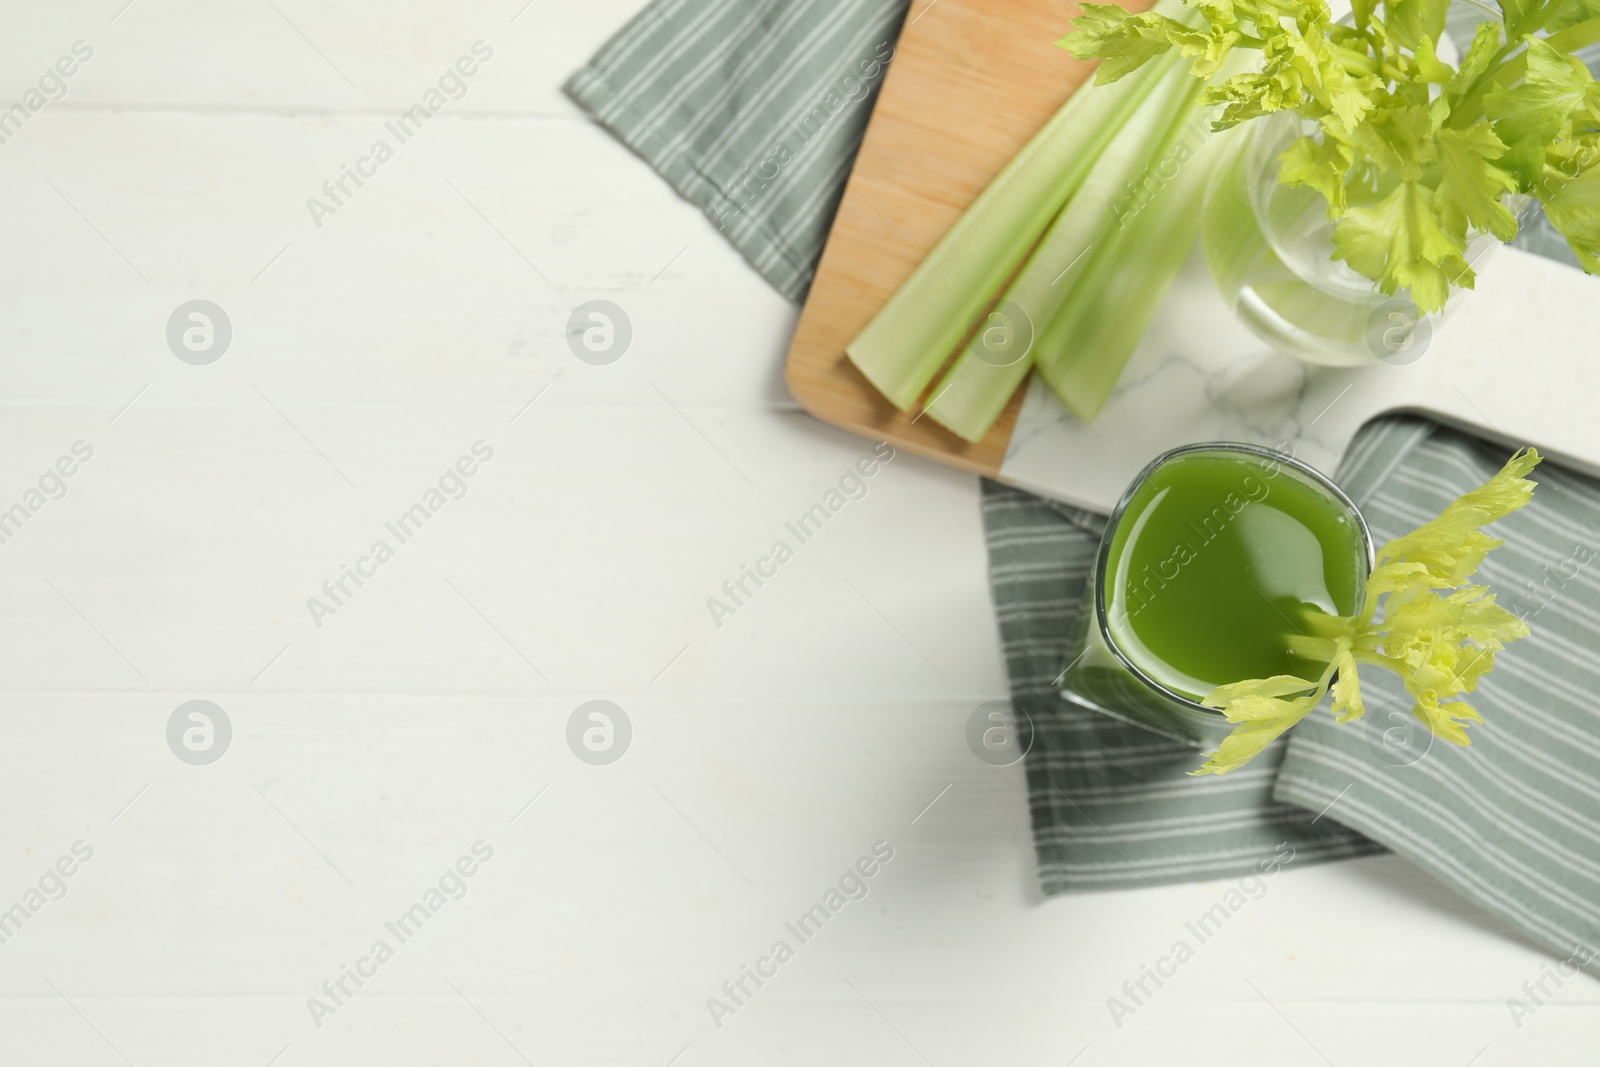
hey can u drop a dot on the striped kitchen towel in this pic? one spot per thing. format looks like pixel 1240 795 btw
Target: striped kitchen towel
pixel 1512 822
pixel 753 109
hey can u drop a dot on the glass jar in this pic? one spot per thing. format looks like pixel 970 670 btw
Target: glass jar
pixel 1270 246
pixel 1270 249
pixel 1303 526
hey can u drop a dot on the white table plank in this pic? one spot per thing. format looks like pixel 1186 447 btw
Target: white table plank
pixel 415 291
pixel 292 56
pixel 202 899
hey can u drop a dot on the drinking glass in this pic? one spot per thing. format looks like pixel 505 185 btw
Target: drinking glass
pixel 1114 675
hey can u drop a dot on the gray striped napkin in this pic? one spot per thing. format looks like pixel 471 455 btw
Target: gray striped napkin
pixel 1513 822
pixel 753 110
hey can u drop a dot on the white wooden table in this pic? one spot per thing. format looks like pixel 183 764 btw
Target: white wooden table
pixel 370 752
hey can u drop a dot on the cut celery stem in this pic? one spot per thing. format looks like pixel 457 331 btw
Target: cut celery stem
pixel 974 392
pixel 1083 352
pixel 910 338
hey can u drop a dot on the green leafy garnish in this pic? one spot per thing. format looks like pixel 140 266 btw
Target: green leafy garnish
pixel 1438 633
pixel 1413 156
pixel 1529 116
pixel 1574 209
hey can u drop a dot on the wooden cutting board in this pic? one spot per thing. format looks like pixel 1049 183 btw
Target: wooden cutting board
pixel 971 81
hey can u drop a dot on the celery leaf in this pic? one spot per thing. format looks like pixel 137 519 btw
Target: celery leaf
pixel 1528 116
pixel 1574 210
pixel 1471 188
pixel 1321 165
pixel 1401 243
pixel 1122 42
pixel 1260 716
pixel 1572 13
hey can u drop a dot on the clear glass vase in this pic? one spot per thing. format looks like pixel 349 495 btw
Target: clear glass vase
pixel 1270 249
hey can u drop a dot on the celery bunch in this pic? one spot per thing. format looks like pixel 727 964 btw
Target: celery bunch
pixel 1060 272
pixel 1101 206
pixel 912 336
pixel 1439 633
pixel 1412 155
pixel 1083 352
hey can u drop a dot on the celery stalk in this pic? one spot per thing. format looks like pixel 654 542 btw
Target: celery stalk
pixel 1085 348
pixel 976 389
pixel 910 338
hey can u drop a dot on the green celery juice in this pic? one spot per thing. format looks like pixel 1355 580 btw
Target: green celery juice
pixel 1216 561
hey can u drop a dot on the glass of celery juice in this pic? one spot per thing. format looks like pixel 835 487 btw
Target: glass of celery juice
pixel 1208 569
